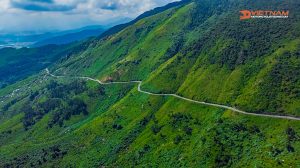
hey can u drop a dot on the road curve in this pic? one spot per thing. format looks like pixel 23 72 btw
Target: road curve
pixel 183 98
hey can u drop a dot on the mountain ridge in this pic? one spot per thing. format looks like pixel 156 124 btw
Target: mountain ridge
pixel 81 34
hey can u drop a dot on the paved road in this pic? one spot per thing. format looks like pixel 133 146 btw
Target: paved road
pixel 183 98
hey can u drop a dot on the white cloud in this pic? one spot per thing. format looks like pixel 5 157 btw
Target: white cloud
pixel 45 15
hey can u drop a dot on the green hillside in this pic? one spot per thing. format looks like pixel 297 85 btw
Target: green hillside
pixel 18 64
pixel 199 50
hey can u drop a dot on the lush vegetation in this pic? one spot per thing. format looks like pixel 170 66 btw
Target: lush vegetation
pixel 197 49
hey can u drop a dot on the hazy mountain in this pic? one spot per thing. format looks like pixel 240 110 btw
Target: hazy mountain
pixel 35 39
pixel 69 37
pixel 199 50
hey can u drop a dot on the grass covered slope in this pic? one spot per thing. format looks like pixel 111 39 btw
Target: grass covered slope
pixel 207 56
pixel 141 130
pixel 200 50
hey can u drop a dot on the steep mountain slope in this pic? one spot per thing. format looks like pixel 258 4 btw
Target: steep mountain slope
pixel 177 55
pixel 200 50
pixel 152 12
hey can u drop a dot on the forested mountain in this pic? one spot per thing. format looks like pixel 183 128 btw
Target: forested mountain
pixel 199 50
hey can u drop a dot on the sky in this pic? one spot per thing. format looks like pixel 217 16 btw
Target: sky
pixel 50 15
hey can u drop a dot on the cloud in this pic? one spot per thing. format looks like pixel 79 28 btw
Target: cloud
pixel 73 5
pixel 46 15
pixel 40 5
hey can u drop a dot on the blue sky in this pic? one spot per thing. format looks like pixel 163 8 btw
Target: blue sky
pixel 49 15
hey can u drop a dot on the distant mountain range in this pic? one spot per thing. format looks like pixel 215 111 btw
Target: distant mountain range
pixel 63 37
pixel 72 36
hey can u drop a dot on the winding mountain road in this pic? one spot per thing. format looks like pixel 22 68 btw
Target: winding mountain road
pixel 183 98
